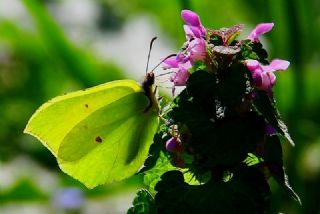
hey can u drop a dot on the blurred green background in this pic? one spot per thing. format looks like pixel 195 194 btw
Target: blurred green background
pixel 51 47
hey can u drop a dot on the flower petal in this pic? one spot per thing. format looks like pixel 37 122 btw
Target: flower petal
pixel 259 30
pixel 279 64
pixel 171 62
pixel 265 82
pixel 263 28
pixel 197 49
pixel 192 31
pixel 272 78
pixel 183 57
pixel 180 78
pixel 268 80
pixel 252 65
pixel 173 145
pixel 191 18
pixel 193 27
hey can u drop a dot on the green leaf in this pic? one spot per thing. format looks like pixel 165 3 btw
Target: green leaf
pixel 220 136
pixel 153 175
pixel 202 86
pixel 254 50
pixel 163 164
pixel 234 85
pixel 267 107
pixel 252 160
pixel 245 192
pixel 143 203
pixel 155 151
pixel 186 111
pixel 98 135
pixel 274 162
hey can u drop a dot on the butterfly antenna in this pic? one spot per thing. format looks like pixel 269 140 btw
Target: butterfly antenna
pixel 150 47
pixel 171 55
pixel 169 72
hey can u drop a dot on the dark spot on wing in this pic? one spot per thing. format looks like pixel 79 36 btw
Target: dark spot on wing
pixel 86 105
pixel 98 139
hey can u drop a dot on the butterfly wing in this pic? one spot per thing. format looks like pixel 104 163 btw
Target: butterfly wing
pixel 98 135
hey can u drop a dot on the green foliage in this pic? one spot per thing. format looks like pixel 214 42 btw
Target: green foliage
pixel 152 176
pixel 254 50
pixel 143 203
pixel 252 160
pixel 273 160
pixel 156 150
pixel 220 122
pixel 210 120
pixel 246 192
pixel 267 106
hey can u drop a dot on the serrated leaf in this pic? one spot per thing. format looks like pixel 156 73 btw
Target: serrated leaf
pixel 267 107
pixel 274 162
pixel 143 203
pixel 154 151
pixel 227 35
pixel 163 164
pixel 153 175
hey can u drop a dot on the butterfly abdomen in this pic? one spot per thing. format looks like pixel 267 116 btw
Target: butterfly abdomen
pixel 148 89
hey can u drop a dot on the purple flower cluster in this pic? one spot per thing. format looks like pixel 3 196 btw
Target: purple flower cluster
pixel 199 47
pixel 195 49
pixel 263 76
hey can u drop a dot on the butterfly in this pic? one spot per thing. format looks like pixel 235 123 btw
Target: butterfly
pixel 101 134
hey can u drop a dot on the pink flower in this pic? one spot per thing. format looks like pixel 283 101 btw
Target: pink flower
pixel 263 75
pixel 174 145
pixel 171 62
pixel 260 30
pixel 197 49
pixel 194 49
pixel 190 17
pixel 180 78
pixel 180 69
pixel 193 27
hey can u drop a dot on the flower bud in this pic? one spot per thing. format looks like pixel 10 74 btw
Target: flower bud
pixel 174 145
